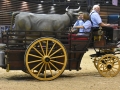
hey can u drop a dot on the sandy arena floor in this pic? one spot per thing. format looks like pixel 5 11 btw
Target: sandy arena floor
pixel 86 79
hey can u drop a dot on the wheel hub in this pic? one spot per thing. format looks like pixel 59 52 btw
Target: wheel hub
pixel 46 59
pixel 109 66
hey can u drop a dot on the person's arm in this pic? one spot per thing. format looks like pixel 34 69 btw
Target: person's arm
pixel 103 24
pixel 99 20
pixel 96 19
pixel 76 23
pixel 77 27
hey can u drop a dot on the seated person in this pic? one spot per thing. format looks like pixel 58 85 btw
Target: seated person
pixel 79 22
pixel 97 22
pixel 85 26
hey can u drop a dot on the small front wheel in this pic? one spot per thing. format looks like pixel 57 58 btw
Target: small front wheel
pixel 108 65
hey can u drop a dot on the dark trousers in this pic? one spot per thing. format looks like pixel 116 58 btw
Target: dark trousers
pixel 108 32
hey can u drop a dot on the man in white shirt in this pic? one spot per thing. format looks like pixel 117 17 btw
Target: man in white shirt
pixel 97 22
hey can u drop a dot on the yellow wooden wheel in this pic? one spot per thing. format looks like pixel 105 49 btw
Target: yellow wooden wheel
pixel 46 58
pixel 108 65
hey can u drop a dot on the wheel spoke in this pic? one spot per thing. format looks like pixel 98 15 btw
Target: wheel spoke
pixel 57 62
pixel 116 61
pixel 41 48
pixel 110 73
pixel 45 70
pixel 116 64
pixel 54 66
pixel 115 68
pixel 96 59
pixel 106 57
pixel 112 70
pixel 106 73
pixel 104 68
pixel 58 56
pixel 33 61
pixel 47 47
pixel 105 61
pixel 36 66
pixel 40 69
pixel 37 51
pixel 50 69
pixel 112 60
pixel 101 66
pixel 35 56
pixel 56 52
pixel 52 48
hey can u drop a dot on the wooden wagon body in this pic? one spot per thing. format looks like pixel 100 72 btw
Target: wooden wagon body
pixel 39 52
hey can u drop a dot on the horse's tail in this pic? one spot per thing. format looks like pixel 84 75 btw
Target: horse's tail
pixel 13 18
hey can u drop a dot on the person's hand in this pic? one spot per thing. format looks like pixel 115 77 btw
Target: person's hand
pixel 74 27
pixel 108 24
pixel 72 30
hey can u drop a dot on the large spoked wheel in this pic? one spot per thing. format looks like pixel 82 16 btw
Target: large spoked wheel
pixel 109 65
pixel 46 58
